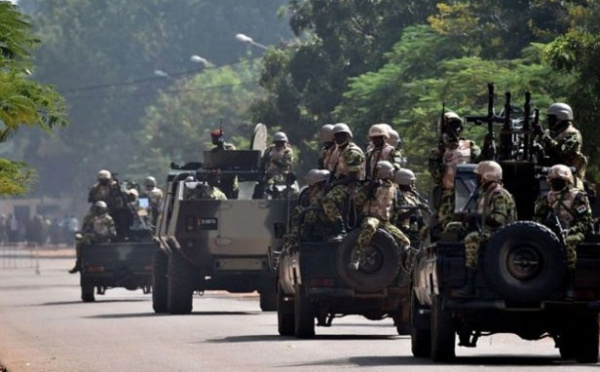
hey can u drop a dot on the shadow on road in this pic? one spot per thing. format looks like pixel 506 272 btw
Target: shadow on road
pixel 153 314
pixel 90 303
pixel 264 338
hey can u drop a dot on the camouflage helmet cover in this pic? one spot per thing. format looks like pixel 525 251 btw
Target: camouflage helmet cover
pixel 404 177
pixel 489 170
pixel 394 139
pixel 385 170
pixel 560 171
pixel 379 130
pixel 101 206
pixel 150 181
pixel 104 175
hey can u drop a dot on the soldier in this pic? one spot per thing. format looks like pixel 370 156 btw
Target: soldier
pixel 98 227
pixel 229 183
pixel 376 200
pixel 348 171
pixel 310 201
pixel 380 149
pixel 562 141
pixel 395 140
pixel 408 205
pixel 155 199
pixel 326 160
pixel 104 190
pixel 495 208
pixel 451 151
pixel 572 209
pixel 275 163
pixel 204 190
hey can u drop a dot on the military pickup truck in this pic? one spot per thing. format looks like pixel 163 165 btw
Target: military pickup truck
pixel 520 282
pixel 315 282
pixel 216 244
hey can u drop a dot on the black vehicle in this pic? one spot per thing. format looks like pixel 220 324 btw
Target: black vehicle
pixel 216 244
pixel 520 286
pixel 126 264
pixel 316 282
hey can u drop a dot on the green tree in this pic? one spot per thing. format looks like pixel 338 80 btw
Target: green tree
pixel 23 102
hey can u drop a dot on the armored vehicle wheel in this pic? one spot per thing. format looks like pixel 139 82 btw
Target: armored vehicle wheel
pixel 524 262
pixel 285 314
pixel 268 297
pixel 378 271
pixel 420 335
pixel 87 292
pixel 159 281
pixel 443 337
pixel 304 314
pixel 180 285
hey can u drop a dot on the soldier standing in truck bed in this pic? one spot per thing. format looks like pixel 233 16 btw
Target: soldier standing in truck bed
pixel 229 183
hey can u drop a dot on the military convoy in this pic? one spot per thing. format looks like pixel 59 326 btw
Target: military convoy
pixel 520 284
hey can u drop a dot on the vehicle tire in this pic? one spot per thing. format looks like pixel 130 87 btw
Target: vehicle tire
pixel 524 262
pixel 586 339
pixel 180 285
pixel 285 314
pixel 304 315
pixel 420 337
pixel 159 281
pixel 87 292
pixel 379 271
pixel 268 297
pixel 443 336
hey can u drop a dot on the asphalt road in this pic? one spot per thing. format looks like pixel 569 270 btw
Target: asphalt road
pixel 45 327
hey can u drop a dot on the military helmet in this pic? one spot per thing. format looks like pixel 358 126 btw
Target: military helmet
pixel 489 170
pixel 326 133
pixel 385 169
pixel 342 128
pixel 150 181
pixel 450 117
pixel 315 176
pixel 101 206
pixel 379 130
pixel 560 171
pixel 562 111
pixel 394 138
pixel 104 175
pixel 404 177
pixel 280 136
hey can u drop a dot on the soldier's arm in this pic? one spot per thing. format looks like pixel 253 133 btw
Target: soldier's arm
pixel 582 212
pixel 475 153
pixel 568 147
pixel 541 209
pixel 436 165
pixel 502 209
pixel 396 158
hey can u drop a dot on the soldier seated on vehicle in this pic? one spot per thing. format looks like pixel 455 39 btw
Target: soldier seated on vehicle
pixel 207 190
pixel 275 164
pixel 408 205
pixel 105 189
pixel 566 210
pixel 379 149
pixel 495 208
pixel 376 199
pixel 98 227
pixel 155 199
pixel 326 159
pixel 307 218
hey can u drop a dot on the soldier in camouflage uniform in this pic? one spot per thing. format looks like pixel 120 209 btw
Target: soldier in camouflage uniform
pixel 376 200
pixel 229 183
pixel 208 190
pixel 395 141
pixel 408 205
pixel 326 158
pixel 572 208
pixel 562 141
pixel 380 149
pixel 106 190
pixel 349 169
pixel 275 164
pixel 155 199
pixel 495 208
pixel 97 227
pixel 443 160
pixel 309 203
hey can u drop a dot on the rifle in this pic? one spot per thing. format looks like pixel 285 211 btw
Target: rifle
pixel 553 224
pixel 506 136
pixel 490 119
pixel 526 127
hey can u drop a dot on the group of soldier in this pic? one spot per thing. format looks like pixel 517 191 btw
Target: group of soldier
pixel 115 210
pixel 351 188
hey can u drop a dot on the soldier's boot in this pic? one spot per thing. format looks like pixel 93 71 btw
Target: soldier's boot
pixel 77 267
pixel 569 277
pixel 467 290
pixel 338 232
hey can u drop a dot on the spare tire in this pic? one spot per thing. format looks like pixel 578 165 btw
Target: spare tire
pixel 524 262
pixel 381 268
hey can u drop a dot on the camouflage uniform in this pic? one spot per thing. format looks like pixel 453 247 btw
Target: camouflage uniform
pixel 155 198
pixel 377 212
pixel 497 208
pixel 229 183
pixel 350 160
pixel 565 148
pixel 326 159
pixel 573 210
pixel 109 193
pixel 204 192
pixel 406 207
pixel 277 162
pixel 386 152
pixel 442 166
pixel 309 227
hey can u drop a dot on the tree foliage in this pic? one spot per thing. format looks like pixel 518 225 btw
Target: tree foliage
pixel 23 102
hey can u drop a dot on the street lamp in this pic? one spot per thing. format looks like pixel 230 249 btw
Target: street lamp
pixel 248 40
pixel 201 60
pixel 161 73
